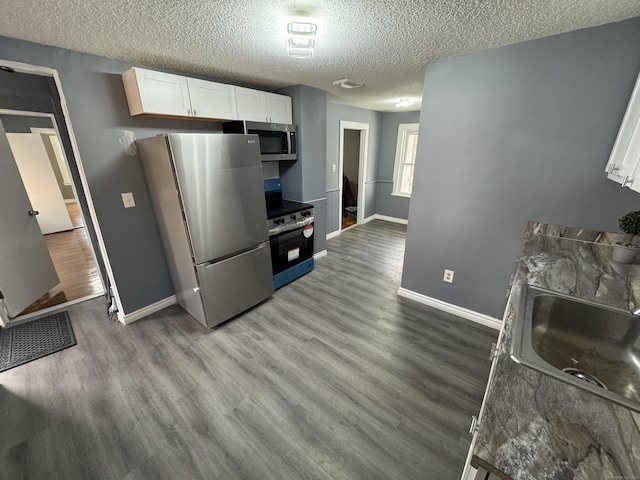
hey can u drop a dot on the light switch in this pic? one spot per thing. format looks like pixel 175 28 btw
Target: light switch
pixel 333 168
pixel 127 200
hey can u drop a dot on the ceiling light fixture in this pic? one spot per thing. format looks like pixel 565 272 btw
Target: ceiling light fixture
pixel 346 83
pixel 300 52
pixel 302 28
pixel 301 42
pixel 404 102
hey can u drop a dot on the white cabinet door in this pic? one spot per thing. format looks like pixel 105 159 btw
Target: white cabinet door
pixel 279 108
pixel 251 104
pixel 624 163
pixel 164 93
pixel 157 93
pixel 212 100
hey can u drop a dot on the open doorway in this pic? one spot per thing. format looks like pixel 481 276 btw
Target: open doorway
pixel 35 147
pixel 354 138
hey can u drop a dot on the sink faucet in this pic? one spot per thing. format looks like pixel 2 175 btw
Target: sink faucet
pixel 636 312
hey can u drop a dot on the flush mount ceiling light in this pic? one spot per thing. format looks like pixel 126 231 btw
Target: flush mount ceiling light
pixel 346 83
pixel 301 42
pixel 300 52
pixel 302 28
pixel 404 102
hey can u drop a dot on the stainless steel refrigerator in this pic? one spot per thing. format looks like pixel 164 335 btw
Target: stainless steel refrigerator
pixel 208 197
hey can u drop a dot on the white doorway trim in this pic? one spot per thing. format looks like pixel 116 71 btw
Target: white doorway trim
pixel 51 72
pixel 362 167
pixel 61 158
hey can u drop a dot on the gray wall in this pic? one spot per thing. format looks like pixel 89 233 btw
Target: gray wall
pixel 304 179
pixel 387 204
pixel 335 114
pixel 514 134
pixel 23 124
pixel 99 115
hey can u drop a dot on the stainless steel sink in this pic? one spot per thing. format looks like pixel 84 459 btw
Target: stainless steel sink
pixel 588 345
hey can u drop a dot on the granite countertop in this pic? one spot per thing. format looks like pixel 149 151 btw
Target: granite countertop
pixel 533 426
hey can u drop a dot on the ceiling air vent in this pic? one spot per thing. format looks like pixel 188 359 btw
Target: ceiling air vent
pixel 346 83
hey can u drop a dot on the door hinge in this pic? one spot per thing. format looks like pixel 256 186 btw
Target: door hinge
pixel 493 352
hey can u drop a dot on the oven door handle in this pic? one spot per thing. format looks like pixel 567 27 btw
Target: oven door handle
pixel 287 227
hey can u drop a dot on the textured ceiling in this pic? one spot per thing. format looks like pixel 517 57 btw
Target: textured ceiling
pixel 384 44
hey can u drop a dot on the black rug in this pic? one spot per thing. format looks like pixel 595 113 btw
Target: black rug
pixel 32 340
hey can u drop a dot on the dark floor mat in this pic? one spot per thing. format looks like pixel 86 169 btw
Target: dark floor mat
pixel 30 341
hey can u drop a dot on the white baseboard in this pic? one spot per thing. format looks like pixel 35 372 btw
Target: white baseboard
pixel 386 219
pixel 320 254
pixel 128 318
pixel 367 220
pixel 476 317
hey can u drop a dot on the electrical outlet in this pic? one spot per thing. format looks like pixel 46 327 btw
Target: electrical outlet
pixel 127 200
pixel 448 276
pixel 333 168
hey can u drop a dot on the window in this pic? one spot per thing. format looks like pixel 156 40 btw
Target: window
pixel 405 159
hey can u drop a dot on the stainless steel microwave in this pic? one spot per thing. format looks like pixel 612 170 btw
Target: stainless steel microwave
pixel 277 140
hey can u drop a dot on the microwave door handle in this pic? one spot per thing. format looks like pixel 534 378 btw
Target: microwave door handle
pixel 291 140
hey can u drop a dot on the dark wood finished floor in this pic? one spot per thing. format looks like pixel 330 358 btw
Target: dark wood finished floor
pixel 335 377
pixel 75 265
pixel 347 221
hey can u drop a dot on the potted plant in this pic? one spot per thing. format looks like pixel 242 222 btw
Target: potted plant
pixel 627 252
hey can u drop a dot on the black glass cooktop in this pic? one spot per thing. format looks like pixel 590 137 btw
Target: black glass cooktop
pixel 288 207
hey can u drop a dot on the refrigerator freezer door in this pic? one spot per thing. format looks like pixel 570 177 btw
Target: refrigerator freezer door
pixel 235 284
pixel 220 183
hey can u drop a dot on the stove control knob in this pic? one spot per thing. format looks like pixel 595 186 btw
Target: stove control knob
pixel 305 214
pixel 293 217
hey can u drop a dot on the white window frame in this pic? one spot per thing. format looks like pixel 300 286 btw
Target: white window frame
pixel 404 130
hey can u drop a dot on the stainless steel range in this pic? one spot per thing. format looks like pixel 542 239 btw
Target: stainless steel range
pixel 291 232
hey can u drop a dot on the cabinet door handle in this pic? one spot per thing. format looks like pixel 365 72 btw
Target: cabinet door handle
pixel 195 113
pixel 33 213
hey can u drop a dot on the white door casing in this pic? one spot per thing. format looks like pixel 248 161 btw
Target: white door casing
pixel 26 268
pixel 58 152
pixel 40 182
pixel 53 73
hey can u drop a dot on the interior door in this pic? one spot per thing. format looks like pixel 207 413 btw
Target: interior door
pixel 40 182
pixel 26 268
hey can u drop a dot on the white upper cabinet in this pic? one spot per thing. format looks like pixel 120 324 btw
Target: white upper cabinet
pixel 156 93
pixel 251 104
pixel 624 163
pixel 279 108
pixel 212 100
pixel 259 106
